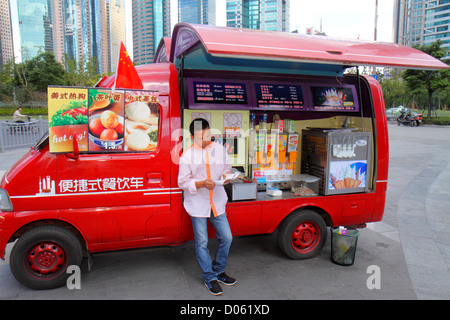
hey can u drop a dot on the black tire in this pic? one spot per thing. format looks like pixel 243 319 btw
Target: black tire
pixel 302 234
pixel 40 257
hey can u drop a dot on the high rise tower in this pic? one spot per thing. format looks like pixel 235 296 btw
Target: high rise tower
pixel 272 15
pixel 197 11
pixel 151 22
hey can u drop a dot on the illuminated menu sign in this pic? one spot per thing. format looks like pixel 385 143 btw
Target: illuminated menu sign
pixel 279 96
pixel 220 92
pixel 333 99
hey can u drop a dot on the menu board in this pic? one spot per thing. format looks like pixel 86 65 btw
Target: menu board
pixel 219 92
pixel 102 120
pixel 68 116
pixel 279 96
pixel 333 98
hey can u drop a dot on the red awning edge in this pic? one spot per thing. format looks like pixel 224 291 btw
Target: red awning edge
pixel 247 43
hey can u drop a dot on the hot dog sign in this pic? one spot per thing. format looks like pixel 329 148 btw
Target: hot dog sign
pixel 102 120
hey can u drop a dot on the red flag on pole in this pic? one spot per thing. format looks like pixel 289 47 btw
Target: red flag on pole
pixel 126 75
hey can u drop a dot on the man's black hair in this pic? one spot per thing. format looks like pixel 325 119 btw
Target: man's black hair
pixel 198 124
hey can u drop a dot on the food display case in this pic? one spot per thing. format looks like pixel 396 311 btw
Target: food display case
pixel 340 157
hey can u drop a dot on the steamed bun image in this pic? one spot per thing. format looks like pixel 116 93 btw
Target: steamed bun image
pixel 138 111
pixel 138 140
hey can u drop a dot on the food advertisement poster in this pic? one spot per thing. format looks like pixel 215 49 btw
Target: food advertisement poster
pixel 106 120
pixel 347 174
pixel 67 115
pixel 103 120
pixel 141 120
pixel 333 98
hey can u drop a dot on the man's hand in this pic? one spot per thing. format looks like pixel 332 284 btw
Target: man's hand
pixel 207 183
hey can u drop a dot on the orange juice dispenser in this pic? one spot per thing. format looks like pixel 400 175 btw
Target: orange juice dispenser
pixel 275 158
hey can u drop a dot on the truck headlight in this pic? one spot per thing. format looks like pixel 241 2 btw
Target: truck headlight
pixel 5 202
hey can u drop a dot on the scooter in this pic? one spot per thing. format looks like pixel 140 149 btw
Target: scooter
pixel 407 119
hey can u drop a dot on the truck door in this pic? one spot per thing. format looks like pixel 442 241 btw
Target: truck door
pixel 112 197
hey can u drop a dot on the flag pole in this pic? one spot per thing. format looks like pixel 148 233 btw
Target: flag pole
pixel 117 69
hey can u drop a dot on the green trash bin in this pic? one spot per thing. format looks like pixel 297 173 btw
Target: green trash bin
pixel 343 246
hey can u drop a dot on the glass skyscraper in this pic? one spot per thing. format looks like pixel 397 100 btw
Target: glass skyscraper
pixel 35 27
pixel 197 11
pixel 151 22
pixel 6 39
pixel 421 22
pixel 78 29
pixel 271 15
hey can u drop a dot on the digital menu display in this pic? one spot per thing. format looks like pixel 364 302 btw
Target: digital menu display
pixel 279 96
pixel 333 99
pixel 219 92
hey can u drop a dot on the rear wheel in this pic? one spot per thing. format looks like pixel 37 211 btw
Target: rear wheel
pixel 40 257
pixel 302 234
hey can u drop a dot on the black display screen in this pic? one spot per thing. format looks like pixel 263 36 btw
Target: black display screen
pixel 279 96
pixel 220 92
pixel 333 98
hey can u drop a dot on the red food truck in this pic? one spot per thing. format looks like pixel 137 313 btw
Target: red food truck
pixel 310 142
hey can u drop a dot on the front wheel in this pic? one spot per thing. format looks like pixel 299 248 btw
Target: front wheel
pixel 40 257
pixel 302 234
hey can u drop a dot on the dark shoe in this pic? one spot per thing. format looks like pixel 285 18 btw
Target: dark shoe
pixel 225 279
pixel 214 287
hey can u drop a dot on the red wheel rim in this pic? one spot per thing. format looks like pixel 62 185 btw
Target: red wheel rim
pixel 45 259
pixel 305 237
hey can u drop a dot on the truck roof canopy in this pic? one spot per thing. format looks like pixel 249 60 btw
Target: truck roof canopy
pixel 219 48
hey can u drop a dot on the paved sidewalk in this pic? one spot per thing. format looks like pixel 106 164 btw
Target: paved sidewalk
pixel 9 157
pixel 419 184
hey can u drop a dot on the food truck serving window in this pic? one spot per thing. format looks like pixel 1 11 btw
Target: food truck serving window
pixel 103 120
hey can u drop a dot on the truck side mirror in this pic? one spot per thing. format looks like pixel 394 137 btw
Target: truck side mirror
pixel 76 153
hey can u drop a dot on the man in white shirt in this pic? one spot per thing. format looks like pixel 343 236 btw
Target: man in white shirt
pixel 200 166
pixel 17 116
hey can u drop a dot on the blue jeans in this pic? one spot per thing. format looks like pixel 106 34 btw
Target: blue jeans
pixel 210 270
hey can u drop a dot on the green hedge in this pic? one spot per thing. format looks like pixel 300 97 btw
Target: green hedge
pixel 442 121
pixel 8 111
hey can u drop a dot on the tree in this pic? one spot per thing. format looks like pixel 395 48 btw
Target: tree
pixel 7 81
pixel 425 79
pixel 83 73
pixel 44 70
pixel 394 91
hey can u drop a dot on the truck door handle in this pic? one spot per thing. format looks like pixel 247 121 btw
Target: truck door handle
pixel 155 178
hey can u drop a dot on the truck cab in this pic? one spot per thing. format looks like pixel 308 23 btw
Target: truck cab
pixel 284 105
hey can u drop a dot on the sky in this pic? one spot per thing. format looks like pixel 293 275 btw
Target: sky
pixel 350 19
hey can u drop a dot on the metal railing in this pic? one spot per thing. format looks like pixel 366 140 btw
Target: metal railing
pixel 15 135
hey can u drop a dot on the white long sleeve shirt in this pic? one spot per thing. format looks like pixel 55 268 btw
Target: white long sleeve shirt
pixel 192 168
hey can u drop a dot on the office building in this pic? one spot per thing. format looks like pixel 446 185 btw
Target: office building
pixel 113 31
pixel 271 15
pixel 93 29
pixel 197 11
pixel 35 27
pixel 76 29
pixel 6 39
pixel 151 22
pixel 422 22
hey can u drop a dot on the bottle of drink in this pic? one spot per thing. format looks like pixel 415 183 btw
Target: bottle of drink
pixel 263 121
pixel 252 120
